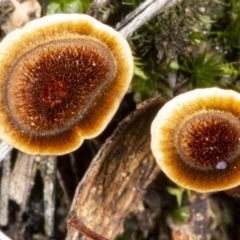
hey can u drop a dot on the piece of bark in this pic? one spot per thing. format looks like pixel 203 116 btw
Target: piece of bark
pixel 20 186
pixel 117 178
pixel 22 179
pixel 6 170
pixel 5 149
pixel 196 226
pixel 48 172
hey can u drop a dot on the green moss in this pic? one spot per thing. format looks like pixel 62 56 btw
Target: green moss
pixel 204 70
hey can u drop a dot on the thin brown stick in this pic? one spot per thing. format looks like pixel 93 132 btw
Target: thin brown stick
pixel 77 224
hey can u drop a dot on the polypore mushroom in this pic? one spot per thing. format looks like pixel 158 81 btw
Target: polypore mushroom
pixel 62 78
pixel 196 139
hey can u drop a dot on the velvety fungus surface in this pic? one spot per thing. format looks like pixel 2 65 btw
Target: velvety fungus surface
pixel 196 139
pixel 62 79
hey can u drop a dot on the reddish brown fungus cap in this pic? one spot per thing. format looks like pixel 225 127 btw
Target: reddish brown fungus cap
pixel 62 78
pixel 196 139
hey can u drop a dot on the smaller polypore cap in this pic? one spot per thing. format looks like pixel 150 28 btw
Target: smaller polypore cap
pixel 196 139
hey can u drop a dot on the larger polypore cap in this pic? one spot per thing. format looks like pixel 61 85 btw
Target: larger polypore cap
pixel 196 139
pixel 62 78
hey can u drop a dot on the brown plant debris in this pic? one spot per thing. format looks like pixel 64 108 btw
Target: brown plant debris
pixel 196 226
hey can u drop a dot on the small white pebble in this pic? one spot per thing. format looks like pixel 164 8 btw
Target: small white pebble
pixel 221 165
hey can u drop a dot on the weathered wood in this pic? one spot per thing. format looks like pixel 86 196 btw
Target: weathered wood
pixel 117 178
pixel 22 179
pixel 48 172
pixel 5 149
pixel 6 170
pixel 143 14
